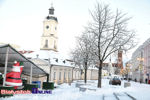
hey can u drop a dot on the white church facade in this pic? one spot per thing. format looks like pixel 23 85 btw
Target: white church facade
pixel 59 69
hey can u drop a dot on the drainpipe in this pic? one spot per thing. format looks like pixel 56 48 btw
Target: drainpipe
pixel 47 77
pixel 50 65
pixel 31 74
pixel 72 73
pixel 50 72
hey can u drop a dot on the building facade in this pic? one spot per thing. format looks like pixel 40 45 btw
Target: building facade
pixel 140 62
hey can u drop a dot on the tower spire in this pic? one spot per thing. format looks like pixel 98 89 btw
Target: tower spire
pixel 51 10
pixel 51 4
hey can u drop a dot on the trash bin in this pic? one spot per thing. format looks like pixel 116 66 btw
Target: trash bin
pixel 37 82
pixel 1 79
pixel 30 86
pixel 48 85
pixel 1 76
pixel 24 81
pixel 148 81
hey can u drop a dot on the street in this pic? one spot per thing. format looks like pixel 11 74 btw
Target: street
pixel 137 91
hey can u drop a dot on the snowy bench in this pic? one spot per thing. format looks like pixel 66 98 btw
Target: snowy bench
pixel 80 81
pixel 84 88
pixel 127 84
pixel 91 89
pixel 79 84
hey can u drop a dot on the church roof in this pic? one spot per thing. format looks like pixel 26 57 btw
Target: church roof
pixel 54 58
pixel 52 17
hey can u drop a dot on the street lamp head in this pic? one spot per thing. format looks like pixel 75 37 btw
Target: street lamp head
pixel 140 59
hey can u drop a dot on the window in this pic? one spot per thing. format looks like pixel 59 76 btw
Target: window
pixel 54 75
pixel 59 75
pixel 55 46
pixel 47 27
pixel 46 43
pixel 64 75
pixel 68 75
pixel 76 75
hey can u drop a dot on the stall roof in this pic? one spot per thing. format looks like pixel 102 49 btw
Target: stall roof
pixel 14 55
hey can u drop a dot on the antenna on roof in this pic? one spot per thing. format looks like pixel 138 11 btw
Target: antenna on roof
pixel 52 4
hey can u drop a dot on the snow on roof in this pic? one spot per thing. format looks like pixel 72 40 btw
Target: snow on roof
pixel 55 57
pixel 14 55
pixel 93 67
pixel 61 62
pixel 42 64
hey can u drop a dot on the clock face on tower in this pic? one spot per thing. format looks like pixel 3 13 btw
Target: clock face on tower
pixel 47 27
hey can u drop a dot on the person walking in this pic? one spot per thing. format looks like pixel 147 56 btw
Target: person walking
pixel 146 80
pixel 135 80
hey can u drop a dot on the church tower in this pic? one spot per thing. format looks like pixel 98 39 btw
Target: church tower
pixel 120 62
pixel 49 37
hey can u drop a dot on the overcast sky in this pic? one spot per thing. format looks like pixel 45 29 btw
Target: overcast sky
pixel 21 21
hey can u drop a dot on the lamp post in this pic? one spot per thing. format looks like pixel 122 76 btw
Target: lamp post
pixel 128 70
pixel 141 59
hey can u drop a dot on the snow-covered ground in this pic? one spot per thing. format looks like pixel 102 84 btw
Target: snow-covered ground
pixel 67 92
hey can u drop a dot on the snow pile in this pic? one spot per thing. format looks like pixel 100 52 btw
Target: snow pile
pixel 140 91
pixel 64 92
pixel 67 92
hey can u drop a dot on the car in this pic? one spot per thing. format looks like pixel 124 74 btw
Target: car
pixel 115 81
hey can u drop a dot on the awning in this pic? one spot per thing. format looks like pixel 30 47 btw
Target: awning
pixel 14 55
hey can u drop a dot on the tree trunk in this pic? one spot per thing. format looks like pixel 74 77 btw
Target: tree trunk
pixel 100 75
pixel 85 74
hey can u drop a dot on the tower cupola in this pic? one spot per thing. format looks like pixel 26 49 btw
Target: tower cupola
pixel 51 14
pixel 51 11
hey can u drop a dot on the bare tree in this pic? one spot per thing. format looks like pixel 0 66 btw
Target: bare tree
pixel 82 53
pixel 109 33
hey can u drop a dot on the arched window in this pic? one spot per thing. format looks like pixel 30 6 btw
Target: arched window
pixel 64 76
pixel 46 44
